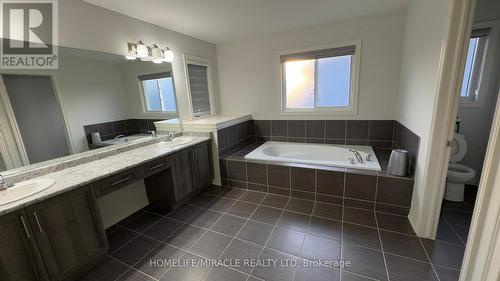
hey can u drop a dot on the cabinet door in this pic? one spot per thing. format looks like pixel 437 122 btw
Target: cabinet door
pixel 20 259
pixel 203 166
pixel 182 174
pixel 69 232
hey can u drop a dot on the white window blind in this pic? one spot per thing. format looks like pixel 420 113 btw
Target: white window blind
pixel 199 88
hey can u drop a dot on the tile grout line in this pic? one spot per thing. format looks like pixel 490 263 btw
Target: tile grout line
pixel 380 241
pixel 269 238
pixel 206 231
pixel 305 236
pixel 428 257
pixel 342 224
pixel 454 232
pixel 236 238
pixel 145 255
pixel 241 228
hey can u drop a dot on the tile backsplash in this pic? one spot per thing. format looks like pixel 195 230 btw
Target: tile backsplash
pixel 109 130
pixel 377 133
pixel 382 135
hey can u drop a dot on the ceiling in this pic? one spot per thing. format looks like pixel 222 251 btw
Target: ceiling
pixel 220 21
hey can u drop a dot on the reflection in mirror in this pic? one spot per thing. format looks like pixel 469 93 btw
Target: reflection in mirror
pixel 3 166
pixel 92 100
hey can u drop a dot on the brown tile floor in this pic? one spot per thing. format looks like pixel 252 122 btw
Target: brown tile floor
pixel 264 228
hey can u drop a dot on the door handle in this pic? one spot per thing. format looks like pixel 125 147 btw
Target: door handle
pixel 38 222
pixel 25 227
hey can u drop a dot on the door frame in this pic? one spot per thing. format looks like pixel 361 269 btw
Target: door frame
pixel 483 244
pixel 14 129
pixel 11 119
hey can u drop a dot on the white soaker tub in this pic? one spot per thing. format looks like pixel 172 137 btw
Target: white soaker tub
pixel 316 154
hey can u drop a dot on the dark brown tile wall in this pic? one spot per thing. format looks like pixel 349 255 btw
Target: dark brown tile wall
pixel 377 133
pixel 354 188
pixel 405 139
pixel 235 137
pixel 109 130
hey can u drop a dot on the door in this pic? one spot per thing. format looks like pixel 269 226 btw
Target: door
pixel 182 174
pixel 68 231
pixel 20 259
pixel 38 116
pixel 203 177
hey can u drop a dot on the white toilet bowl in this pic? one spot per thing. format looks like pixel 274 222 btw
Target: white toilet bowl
pixel 458 174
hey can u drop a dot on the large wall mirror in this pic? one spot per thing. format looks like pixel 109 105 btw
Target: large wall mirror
pixel 91 101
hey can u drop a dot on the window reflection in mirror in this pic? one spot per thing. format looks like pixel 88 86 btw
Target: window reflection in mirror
pixel 92 100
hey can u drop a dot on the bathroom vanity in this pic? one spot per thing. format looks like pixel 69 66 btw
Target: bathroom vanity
pixel 58 234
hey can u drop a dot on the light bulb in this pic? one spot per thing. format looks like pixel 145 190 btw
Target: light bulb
pixel 142 50
pixel 168 55
pixel 156 54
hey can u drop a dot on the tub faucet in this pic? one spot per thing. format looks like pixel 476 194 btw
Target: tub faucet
pixel 358 155
pixel 153 134
pixel 4 184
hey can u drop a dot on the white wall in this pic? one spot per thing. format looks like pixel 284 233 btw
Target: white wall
pixel 248 69
pixel 426 26
pixel 476 121
pixel 85 26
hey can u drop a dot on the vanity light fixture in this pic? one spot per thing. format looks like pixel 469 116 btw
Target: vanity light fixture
pixel 154 53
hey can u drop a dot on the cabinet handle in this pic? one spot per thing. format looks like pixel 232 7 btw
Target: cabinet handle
pixel 25 227
pixel 120 181
pixel 156 166
pixel 38 222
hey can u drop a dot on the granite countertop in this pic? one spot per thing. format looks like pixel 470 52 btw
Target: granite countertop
pixel 83 174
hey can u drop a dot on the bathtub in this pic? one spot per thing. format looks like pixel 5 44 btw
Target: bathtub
pixel 316 154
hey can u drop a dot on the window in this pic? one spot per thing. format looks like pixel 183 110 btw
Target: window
pixel 320 80
pixel 469 91
pixel 158 91
pixel 199 86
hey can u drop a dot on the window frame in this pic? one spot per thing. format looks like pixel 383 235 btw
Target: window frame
pixel 485 68
pixel 145 110
pixel 352 109
pixel 195 60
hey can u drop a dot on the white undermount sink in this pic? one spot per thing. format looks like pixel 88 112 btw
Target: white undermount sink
pixel 177 141
pixel 24 189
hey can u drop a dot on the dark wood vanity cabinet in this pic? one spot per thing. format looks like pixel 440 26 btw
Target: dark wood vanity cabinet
pixel 61 237
pixel 20 259
pixel 191 171
pixel 181 164
pixel 68 231
pixel 52 240
pixel 202 166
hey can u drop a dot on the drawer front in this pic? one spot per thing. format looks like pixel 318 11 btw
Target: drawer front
pixel 154 167
pixel 115 182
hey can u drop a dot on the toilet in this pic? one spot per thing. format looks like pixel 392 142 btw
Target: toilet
pixel 458 174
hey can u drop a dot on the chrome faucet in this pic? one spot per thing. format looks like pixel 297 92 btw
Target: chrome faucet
pixel 119 136
pixel 358 155
pixel 168 137
pixel 4 184
pixel 153 134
